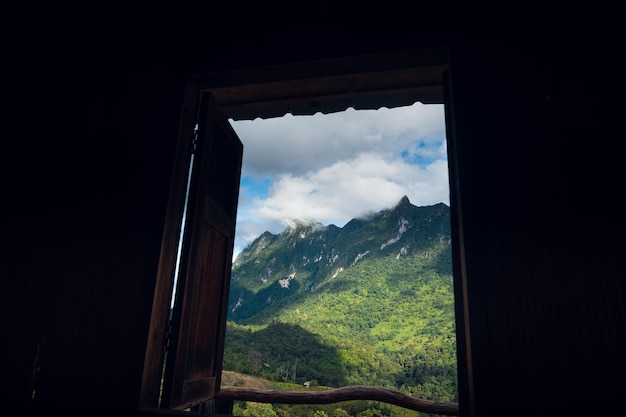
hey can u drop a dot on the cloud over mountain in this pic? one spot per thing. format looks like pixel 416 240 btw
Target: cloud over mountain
pixel 331 168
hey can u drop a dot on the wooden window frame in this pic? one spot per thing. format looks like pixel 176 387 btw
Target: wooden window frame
pixel 235 99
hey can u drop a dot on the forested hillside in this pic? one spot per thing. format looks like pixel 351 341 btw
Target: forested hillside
pixel 370 303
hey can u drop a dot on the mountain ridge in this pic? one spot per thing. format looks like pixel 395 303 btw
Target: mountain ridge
pixel 307 252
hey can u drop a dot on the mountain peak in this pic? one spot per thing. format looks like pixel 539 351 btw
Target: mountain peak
pixel 403 201
pixel 303 227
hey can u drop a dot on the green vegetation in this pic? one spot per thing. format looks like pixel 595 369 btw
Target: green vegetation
pixel 385 320
pixel 342 409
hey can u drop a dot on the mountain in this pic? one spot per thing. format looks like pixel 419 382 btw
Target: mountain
pixel 368 303
pixel 274 269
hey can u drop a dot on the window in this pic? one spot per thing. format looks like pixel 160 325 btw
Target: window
pixel 336 319
pixel 191 375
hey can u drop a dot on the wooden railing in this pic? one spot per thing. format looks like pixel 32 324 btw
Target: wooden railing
pixel 353 392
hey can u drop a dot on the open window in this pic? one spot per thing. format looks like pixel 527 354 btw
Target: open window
pixel 183 365
pixel 184 353
pixel 193 356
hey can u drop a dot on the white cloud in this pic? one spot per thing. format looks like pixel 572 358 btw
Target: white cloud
pixel 351 188
pixel 323 139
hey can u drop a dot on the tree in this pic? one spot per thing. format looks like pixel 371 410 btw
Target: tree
pixel 340 412
pixel 371 412
pixel 258 410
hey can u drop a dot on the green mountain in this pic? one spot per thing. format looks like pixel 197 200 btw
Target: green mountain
pixel 369 303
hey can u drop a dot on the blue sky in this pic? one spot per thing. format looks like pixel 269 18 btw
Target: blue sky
pixel 335 167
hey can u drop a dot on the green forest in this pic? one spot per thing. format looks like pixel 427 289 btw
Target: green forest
pixel 384 321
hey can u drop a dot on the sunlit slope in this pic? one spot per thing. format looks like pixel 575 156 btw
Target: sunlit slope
pixel 369 303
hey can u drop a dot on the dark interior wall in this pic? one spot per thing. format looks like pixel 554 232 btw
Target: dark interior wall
pixel 92 154
pixel 89 193
pixel 538 183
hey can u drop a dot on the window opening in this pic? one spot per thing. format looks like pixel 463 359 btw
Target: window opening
pixel 184 218
pixel 406 341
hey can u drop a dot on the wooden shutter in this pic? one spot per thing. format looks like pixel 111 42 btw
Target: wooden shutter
pixel 194 358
